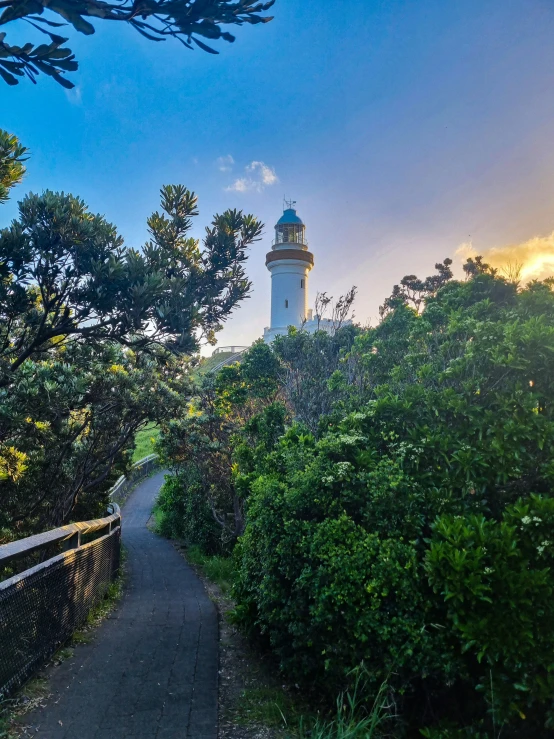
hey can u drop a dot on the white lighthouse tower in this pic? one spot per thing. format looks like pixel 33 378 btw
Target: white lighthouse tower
pixel 289 263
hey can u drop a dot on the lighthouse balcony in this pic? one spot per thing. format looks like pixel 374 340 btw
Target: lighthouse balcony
pixel 292 254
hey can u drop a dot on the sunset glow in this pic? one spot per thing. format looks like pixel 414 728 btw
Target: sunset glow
pixel 531 260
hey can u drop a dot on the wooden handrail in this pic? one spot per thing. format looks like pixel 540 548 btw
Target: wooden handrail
pixel 24 547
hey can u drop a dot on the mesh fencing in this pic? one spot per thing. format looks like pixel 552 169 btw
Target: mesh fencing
pixel 126 483
pixel 42 607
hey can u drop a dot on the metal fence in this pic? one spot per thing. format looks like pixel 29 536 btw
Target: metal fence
pixel 125 484
pixel 41 607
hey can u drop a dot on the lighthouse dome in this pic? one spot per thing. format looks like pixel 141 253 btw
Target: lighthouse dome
pixel 290 218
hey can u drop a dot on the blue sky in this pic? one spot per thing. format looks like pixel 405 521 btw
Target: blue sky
pixel 402 128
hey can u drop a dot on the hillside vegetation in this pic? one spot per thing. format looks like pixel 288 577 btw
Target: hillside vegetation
pixel 387 497
pixel 207 364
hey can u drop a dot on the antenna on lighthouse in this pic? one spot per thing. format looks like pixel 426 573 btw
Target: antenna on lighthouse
pixel 288 203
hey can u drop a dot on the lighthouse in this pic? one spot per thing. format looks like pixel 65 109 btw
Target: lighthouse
pixel 289 263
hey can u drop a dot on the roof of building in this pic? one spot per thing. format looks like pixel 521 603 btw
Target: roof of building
pixel 289 217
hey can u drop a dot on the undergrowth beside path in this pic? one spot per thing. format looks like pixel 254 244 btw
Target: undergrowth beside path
pixel 253 701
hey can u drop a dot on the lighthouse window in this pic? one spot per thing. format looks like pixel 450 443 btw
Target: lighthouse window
pixel 286 303
pixel 301 283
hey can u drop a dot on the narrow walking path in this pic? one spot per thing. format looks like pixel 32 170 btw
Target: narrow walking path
pixel 151 670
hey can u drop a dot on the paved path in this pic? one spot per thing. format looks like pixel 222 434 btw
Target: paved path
pixel 151 670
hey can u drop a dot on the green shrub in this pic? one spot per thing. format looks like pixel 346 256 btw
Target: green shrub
pixel 496 581
pixel 341 563
pixel 332 568
pixel 396 534
pixel 183 513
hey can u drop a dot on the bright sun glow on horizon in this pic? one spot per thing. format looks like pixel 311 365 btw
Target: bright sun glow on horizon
pixel 532 259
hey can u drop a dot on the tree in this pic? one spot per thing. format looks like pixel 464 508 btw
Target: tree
pixel 66 275
pixel 12 169
pixel 413 532
pixel 92 338
pixel 188 21
pixel 308 362
pixel 413 291
pixel 67 424
pixel 229 415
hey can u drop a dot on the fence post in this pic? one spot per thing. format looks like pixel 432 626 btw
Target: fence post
pixel 73 542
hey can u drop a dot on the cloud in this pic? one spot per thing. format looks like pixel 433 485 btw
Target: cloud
pixel 259 176
pixel 267 174
pixel 225 164
pixel 240 185
pixel 532 260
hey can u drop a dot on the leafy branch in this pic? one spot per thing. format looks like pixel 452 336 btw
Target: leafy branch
pixel 188 21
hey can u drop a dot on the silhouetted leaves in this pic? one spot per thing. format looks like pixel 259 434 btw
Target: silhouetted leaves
pixel 179 19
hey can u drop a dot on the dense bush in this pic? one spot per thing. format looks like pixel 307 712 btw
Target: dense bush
pixel 413 533
pixel 183 512
pixel 497 583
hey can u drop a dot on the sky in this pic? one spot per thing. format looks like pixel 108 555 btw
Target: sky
pixel 406 130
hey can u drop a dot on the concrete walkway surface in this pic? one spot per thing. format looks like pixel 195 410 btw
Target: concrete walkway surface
pixel 151 670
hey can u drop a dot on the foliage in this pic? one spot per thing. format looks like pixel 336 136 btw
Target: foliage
pixel 218 569
pixel 92 336
pixel 233 412
pixel 352 719
pixel 70 417
pixel 370 540
pixel 307 365
pixel 183 512
pixel 67 275
pixel 328 566
pixel 236 418
pixel 402 520
pixel 12 169
pixel 496 580
pixel 413 291
pixel 189 22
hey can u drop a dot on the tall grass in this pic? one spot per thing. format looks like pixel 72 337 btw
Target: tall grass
pixel 353 720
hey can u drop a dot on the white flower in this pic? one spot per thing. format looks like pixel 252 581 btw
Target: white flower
pixel 525 520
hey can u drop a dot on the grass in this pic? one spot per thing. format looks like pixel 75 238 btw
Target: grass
pixel 218 569
pixel 30 696
pixel 267 706
pixel 351 721
pixel 272 707
pixel 208 363
pixel 145 440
